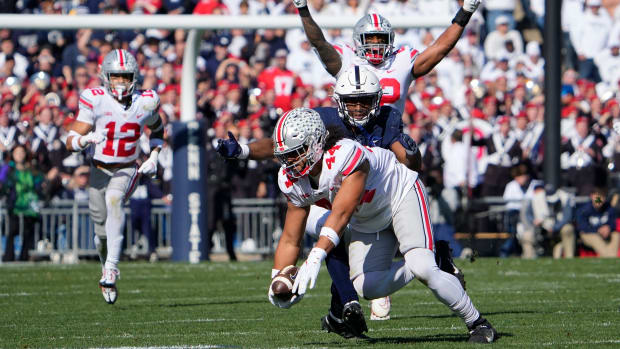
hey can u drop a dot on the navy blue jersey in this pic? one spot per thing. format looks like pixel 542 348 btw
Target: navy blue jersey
pixel 381 131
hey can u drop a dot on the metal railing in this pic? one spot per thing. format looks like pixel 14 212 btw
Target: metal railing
pixel 65 227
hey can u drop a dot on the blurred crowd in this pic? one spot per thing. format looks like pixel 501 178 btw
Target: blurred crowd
pixel 490 86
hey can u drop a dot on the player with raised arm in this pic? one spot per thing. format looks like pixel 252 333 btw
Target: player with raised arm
pixel 380 202
pixel 112 118
pixel 396 68
pixel 373 39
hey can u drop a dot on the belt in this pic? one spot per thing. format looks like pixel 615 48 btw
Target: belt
pixel 112 166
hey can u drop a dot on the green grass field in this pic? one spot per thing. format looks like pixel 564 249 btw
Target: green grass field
pixel 574 303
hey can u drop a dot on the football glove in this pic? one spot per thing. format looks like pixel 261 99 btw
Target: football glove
pixel 309 271
pixel 300 3
pixel 90 138
pixel 408 143
pixel 228 148
pixel 282 303
pixel 149 167
pixel 471 5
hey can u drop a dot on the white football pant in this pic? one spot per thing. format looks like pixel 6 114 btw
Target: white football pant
pixel 108 191
pixel 374 274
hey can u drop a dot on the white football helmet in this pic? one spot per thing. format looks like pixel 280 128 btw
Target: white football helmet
pixel 119 62
pixel 373 24
pixel 358 85
pixel 299 139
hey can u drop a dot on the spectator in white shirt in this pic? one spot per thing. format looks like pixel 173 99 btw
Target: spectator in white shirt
pixel 590 37
pixel 514 194
pixel 496 40
pixel 534 64
pixel 7 48
pixel 497 8
pixel 306 64
pixel 469 45
pixel 608 63
pixel 460 162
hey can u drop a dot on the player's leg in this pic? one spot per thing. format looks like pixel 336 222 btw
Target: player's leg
pixel 345 315
pixel 99 180
pixel 97 209
pixel 412 227
pixel 373 272
pixel 345 304
pixel 120 187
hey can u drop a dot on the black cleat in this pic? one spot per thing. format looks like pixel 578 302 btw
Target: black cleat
pixel 482 332
pixel 443 257
pixel 329 324
pixel 353 318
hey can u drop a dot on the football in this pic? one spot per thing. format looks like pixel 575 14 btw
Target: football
pixel 282 283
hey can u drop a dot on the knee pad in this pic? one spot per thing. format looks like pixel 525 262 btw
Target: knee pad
pixel 421 262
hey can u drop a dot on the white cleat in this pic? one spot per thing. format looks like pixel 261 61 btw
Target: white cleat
pixel 107 284
pixel 380 308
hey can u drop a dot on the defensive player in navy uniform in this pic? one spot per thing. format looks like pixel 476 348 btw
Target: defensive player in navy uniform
pixel 359 116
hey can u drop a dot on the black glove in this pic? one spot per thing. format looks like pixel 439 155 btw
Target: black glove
pixel 228 148
pixel 409 144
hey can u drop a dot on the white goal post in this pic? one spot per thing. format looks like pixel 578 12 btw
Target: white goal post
pixel 196 24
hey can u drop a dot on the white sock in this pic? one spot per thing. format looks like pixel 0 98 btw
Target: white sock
pixel 445 287
pixel 114 224
pixel 378 284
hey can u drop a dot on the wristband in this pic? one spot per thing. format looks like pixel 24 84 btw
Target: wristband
pixel 462 17
pixel 245 151
pixel 330 234
pixel 274 272
pixel 304 11
pixel 75 143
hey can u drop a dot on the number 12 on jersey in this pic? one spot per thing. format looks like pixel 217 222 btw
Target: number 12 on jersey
pixel 126 143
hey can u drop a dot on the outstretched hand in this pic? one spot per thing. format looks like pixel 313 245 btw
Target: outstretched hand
pixel 228 148
pixel 471 5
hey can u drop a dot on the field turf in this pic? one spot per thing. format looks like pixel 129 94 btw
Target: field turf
pixel 540 303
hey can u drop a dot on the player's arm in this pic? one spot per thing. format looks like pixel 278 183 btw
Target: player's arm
pixel 407 153
pixel 289 245
pixel 77 129
pixel 80 136
pixel 231 149
pixel 343 207
pixel 156 141
pixel 428 59
pixel 328 54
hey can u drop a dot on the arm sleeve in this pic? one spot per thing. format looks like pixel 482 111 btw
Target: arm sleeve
pixel 152 104
pixel 86 108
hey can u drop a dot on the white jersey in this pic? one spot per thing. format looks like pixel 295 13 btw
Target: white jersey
pixel 121 127
pixel 394 73
pixel 387 183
